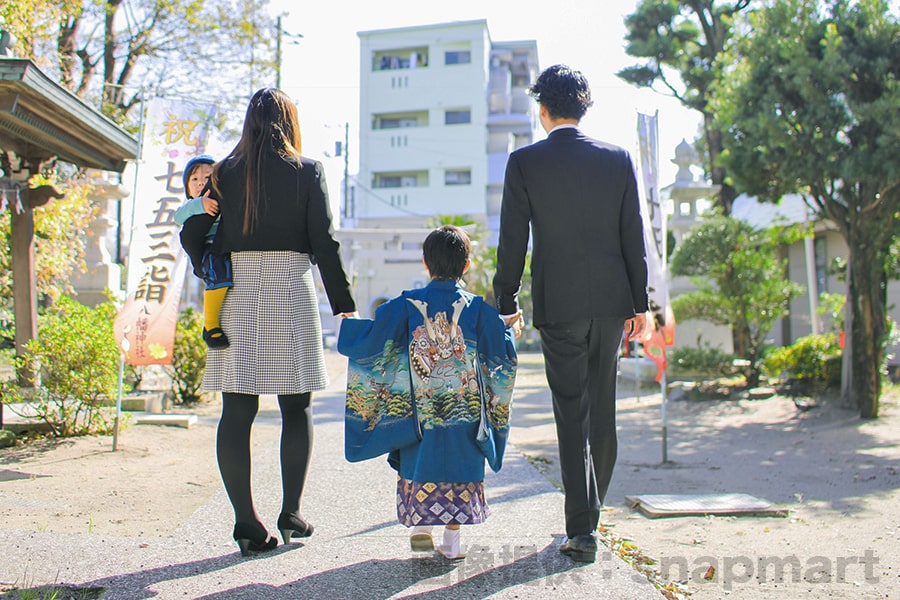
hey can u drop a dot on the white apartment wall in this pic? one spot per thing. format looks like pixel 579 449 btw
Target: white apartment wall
pixel 431 150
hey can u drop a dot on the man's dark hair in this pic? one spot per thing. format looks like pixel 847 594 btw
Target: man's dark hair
pixel 446 250
pixel 563 91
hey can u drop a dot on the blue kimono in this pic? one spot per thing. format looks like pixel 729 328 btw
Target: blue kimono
pixel 427 359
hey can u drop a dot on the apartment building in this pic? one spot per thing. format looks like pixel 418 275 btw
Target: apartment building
pixel 441 108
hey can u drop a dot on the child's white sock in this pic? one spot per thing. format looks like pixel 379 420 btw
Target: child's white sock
pixel 450 547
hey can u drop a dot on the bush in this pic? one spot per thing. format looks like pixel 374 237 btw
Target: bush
pixel 701 361
pixel 188 357
pixel 810 358
pixel 74 365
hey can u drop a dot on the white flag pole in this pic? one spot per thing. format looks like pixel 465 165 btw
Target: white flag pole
pixel 121 382
pixel 655 234
pixel 664 252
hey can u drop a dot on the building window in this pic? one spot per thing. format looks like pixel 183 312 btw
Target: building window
pixel 401 58
pixel 387 181
pixel 395 123
pixel 458 177
pixel 400 120
pixel 402 179
pixel 457 117
pixel 457 57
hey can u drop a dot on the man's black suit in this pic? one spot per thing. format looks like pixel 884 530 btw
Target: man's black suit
pixel 578 197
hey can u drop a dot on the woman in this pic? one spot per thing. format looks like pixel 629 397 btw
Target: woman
pixel 275 222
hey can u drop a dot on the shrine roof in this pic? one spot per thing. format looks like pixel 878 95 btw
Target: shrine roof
pixel 40 118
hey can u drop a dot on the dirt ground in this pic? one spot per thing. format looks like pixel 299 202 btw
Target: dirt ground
pixel 836 475
pixel 79 485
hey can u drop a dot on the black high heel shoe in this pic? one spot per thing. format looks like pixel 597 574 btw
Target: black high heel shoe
pixel 252 538
pixel 293 526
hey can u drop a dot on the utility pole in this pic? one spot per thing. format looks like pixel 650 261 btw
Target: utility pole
pixel 278 52
pixel 278 33
pixel 347 211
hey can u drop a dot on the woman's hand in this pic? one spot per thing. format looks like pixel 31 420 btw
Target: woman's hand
pixel 349 315
pixel 517 322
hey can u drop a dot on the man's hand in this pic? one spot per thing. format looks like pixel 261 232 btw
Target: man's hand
pixel 636 327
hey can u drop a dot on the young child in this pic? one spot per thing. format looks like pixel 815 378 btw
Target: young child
pixel 199 220
pixel 449 352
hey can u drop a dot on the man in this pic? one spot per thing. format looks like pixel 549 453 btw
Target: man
pixel 589 281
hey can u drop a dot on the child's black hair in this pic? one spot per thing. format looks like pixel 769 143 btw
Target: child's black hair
pixel 446 251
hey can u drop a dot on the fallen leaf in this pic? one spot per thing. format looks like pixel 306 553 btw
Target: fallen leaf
pixel 710 573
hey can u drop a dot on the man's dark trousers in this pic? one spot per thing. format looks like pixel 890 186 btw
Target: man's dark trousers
pixel 580 361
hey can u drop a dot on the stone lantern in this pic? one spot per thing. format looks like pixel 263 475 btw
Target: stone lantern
pixel 686 193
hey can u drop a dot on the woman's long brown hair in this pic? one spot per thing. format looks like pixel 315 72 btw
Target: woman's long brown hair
pixel 271 129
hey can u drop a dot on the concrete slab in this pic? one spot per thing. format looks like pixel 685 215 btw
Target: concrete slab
pixel 185 421
pixel 701 505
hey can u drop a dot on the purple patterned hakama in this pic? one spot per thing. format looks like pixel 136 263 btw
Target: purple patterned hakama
pixel 441 503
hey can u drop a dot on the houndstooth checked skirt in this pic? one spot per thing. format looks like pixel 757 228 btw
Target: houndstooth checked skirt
pixel 271 318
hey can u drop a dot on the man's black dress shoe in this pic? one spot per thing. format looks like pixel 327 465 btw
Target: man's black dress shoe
pixel 581 548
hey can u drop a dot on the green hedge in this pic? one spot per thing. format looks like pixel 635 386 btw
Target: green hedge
pixel 701 361
pixel 810 358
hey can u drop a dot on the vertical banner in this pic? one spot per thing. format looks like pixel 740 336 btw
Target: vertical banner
pixel 173 132
pixel 651 207
pixel 655 237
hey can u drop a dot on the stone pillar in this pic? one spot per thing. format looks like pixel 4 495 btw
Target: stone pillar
pixel 101 272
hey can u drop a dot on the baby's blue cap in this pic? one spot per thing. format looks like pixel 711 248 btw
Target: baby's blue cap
pixel 200 159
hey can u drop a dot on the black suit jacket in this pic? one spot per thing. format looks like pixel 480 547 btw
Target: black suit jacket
pixel 579 197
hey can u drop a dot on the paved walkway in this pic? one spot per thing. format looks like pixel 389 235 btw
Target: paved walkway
pixel 358 550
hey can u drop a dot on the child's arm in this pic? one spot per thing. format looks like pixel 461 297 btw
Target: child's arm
pixel 498 360
pixel 364 338
pixel 192 207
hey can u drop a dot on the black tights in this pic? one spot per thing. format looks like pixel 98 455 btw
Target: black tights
pixel 233 450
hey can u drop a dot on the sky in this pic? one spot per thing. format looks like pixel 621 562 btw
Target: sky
pixel 321 70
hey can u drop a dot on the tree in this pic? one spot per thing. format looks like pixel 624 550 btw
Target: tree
pixel 741 282
pixel 110 53
pixel 59 228
pixel 688 37
pixel 813 106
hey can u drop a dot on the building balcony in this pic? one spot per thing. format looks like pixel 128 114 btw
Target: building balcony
pixel 497 167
